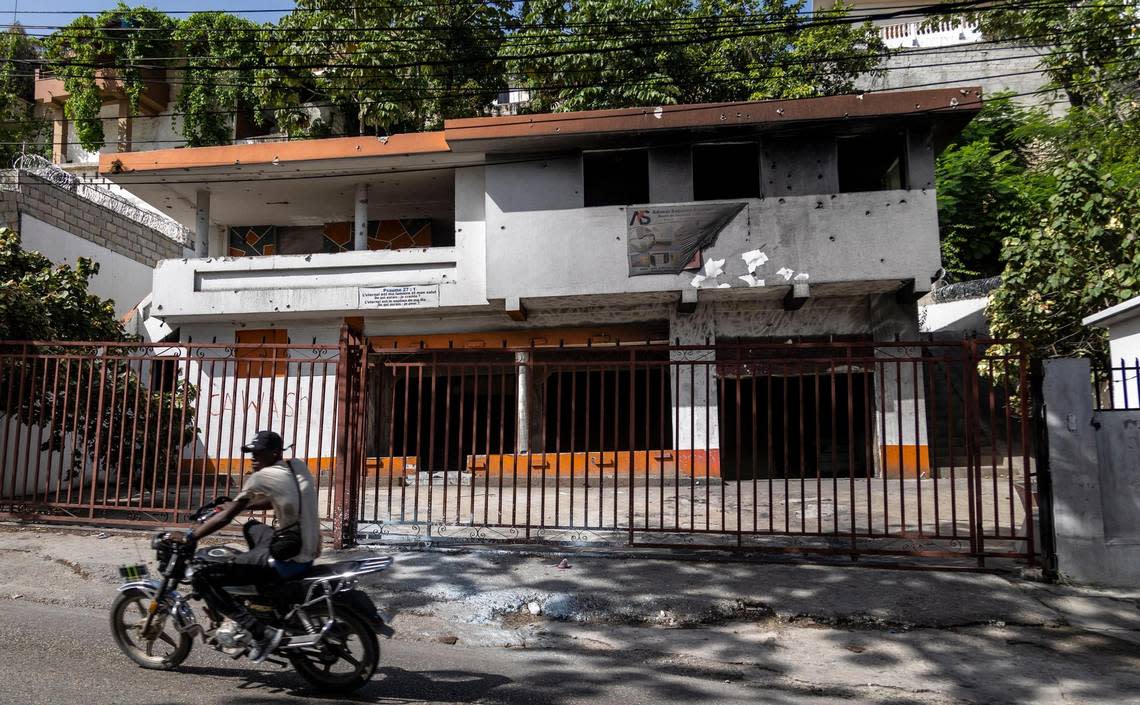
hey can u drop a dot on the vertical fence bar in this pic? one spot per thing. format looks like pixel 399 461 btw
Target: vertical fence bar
pixel 1023 394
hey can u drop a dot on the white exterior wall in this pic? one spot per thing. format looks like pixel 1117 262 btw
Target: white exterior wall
pixel 120 278
pixel 300 405
pixel 965 316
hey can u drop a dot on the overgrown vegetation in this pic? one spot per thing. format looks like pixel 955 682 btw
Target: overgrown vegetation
pixel 1053 204
pixel 80 405
pixel 20 130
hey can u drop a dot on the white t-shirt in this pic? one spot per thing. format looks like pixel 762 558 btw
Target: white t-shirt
pixel 276 484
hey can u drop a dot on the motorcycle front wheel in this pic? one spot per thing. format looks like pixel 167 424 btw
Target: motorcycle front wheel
pixel 166 650
pixel 345 661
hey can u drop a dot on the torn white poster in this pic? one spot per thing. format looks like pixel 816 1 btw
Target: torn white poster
pixel 786 273
pixel 751 280
pixel 714 268
pixel 754 259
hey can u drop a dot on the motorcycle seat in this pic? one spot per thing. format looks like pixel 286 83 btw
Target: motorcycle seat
pixel 327 571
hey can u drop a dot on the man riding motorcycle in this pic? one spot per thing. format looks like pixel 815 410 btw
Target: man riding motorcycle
pixel 287 487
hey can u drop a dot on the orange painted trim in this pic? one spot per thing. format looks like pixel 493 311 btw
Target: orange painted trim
pixel 698 463
pixel 540 337
pixel 269 152
pixel 906 461
pixel 653 463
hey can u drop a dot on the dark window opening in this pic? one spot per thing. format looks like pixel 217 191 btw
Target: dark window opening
pixel 723 171
pixel 616 178
pixel 590 410
pixel 444 422
pixel 779 425
pixel 872 162
pixel 248 125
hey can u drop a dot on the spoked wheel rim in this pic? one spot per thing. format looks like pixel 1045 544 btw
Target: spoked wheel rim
pixel 131 620
pixel 345 660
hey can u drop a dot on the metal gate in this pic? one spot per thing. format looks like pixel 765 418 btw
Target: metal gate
pixel 906 448
pixel 914 448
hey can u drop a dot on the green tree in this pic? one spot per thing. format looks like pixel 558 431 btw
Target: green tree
pixel 592 54
pixel 115 44
pixel 987 185
pixel 1079 255
pixel 19 128
pixel 395 65
pixel 1071 218
pixel 42 301
pixel 222 54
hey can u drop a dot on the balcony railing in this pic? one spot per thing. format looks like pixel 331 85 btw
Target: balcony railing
pixel 910 35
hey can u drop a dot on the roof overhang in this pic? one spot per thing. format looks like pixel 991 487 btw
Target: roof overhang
pixel 949 108
pixel 1123 311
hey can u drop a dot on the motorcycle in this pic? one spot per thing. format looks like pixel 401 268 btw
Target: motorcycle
pixel 330 625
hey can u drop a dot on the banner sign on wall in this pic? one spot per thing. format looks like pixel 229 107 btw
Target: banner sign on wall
pixel 389 297
pixel 669 239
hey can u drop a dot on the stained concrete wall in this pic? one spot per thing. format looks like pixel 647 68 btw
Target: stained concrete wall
pixel 849 237
pixel 996 68
pixel 1094 461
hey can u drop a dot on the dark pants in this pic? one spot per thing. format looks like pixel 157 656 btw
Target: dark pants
pixel 249 568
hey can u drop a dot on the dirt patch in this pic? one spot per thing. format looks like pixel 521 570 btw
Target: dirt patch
pixel 522 618
pixel 70 565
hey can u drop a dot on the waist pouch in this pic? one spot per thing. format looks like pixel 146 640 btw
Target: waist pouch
pixel 286 543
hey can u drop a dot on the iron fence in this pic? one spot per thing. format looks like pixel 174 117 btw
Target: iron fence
pixel 856 448
pixel 145 433
pixel 905 448
pixel 1116 387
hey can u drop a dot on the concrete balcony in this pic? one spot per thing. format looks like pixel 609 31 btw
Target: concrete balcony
pixel 920 35
pixel 838 244
pixel 154 99
pixel 286 286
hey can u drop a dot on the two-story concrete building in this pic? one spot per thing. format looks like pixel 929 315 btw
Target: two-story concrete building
pixel 802 220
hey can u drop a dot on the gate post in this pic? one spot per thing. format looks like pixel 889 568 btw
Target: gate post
pixel 350 402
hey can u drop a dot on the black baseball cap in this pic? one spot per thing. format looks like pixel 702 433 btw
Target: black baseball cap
pixel 264 440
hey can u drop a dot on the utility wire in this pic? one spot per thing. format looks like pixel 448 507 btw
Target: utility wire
pixel 243 177
pixel 415 92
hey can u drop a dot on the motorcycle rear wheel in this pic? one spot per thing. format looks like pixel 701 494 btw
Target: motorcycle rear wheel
pixel 128 615
pixel 347 660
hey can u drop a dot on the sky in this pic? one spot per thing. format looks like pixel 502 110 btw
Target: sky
pixel 32 13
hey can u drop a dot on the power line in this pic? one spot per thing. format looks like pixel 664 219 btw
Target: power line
pixel 428 92
pixel 242 176
pixel 900 12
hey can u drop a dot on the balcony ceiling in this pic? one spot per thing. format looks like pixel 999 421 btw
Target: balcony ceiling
pixel 300 194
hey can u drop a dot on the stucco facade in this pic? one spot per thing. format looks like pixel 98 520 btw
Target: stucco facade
pixel 514 244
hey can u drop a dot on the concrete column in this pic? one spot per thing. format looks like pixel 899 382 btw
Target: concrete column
pixel 695 414
pixel 522 402
pixel 899 392
pixel 1078 513
pixel 59 137
pixel 202 225
pixel 360 229
pixel 125 126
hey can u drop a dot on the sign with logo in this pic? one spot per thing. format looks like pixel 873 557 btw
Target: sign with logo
pixel 398 297
pixel 669 239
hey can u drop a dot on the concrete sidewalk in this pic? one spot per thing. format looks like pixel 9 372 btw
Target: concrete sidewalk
pixel 871 634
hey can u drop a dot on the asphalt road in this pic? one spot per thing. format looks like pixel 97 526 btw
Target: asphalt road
pixel 62 655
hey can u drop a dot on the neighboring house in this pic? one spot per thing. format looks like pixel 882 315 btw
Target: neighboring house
pixel 64 218
pixel 947 53
pixel 155 125
pixel 1123 324
pixel 806 219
